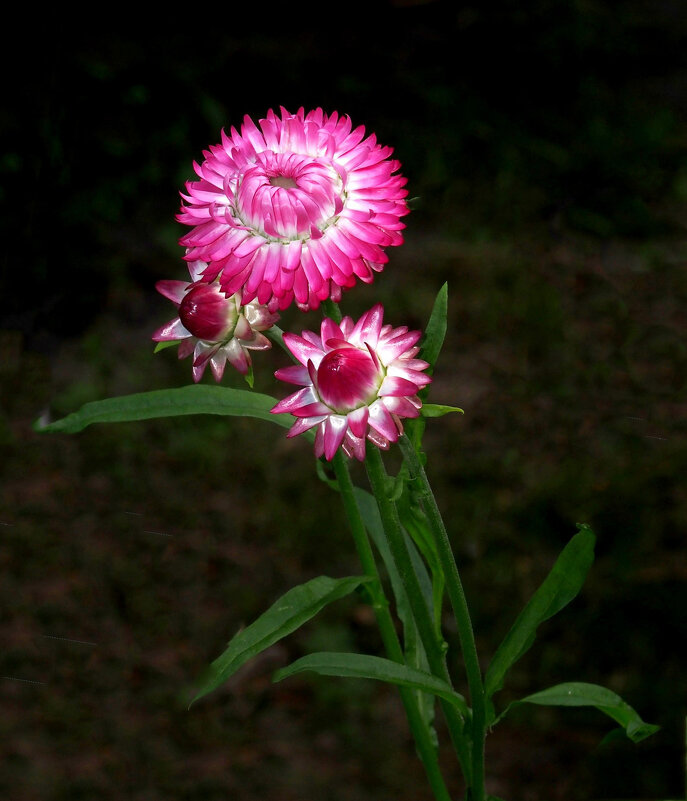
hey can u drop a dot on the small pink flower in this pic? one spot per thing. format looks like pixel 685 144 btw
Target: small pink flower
pixel 217 329
pixel 359 380
pixel 299 208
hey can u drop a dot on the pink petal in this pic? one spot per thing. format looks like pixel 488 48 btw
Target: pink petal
pixel 357 421
pixel 170 331
pixel 394 385
pixel 294 374
pixel 334 431
pixel 303 350
pixel 172 290
pixel 381 421
pixel 295 401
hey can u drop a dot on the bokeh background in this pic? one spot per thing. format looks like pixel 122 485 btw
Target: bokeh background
pixel 544 143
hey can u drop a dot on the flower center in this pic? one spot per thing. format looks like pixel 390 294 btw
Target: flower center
pixel 207 314
pixel 284 181
pixel 284 196
pixel 348 378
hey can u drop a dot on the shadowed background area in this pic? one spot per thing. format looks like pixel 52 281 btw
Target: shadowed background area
pixel 544 144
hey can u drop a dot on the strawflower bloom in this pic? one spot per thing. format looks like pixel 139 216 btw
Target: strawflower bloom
pixel 215 328
pixel 358 379
pixel 299 208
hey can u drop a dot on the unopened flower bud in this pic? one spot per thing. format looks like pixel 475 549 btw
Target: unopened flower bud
pixel 215 328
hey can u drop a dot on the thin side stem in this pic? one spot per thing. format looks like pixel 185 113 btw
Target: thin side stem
pixel 423 617
pixel 380 604
pixel 456 594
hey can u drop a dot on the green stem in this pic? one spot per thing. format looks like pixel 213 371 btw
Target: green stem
pixel 423 617
pixel 277 336
pixel 456 594
pixel 418 726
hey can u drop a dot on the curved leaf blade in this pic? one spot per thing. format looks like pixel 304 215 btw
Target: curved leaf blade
pixel 433 338
pixel 414 649
pixel 289 613
pixel 194 399
pixel 605 700
pixel 363 666
pixel 430 348
pixel 438 410
pixel 557 590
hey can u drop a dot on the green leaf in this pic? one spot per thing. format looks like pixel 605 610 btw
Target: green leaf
pixel 369 511
pixel 435 331
pixel 170 343
pixel 413 647
pixel 362 666
pixel 277 336
pixel 438 410
pixel 249 376
pixel 291 611
pixel 577 693
pixel 430 347
pixel 415 522
pixel 194 399
pixel 321 470
pixel 559 588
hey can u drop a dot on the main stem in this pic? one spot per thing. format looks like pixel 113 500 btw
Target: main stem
pixel 456 594
pixel 423 617
pixel 418 726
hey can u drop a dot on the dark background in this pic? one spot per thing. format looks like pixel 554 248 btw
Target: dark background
pixel 545 144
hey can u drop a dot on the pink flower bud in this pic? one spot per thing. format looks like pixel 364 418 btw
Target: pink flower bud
pixel 347 378
pixel 207 314
pixel 215 328
pixel 358 381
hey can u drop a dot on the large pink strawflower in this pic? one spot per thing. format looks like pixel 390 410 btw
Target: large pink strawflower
pixel 359 380
pixel 298 208
pixel 214 328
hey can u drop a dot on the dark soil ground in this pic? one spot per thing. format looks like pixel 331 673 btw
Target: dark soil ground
pixel 553 200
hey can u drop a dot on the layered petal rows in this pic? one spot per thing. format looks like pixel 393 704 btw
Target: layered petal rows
pixel 298 208
pixel 358 381
pixel 215 328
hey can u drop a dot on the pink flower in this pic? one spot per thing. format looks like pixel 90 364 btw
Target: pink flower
pixel 217 329
pixel 298 208
pixel 359 380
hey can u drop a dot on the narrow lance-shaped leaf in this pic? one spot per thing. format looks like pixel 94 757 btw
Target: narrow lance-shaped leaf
pixel 369 511
pixel 413 648
pixel 435 331
pixel 584 694
pixel 430 348
pixel 363 666
pixel 193 399
pixel 415 523
pixel 438 410
pixel 291 611
pixel 559 588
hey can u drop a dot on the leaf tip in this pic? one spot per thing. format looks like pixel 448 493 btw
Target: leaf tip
pixel 43 423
